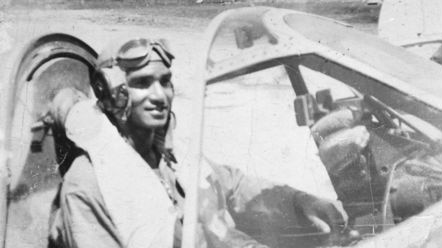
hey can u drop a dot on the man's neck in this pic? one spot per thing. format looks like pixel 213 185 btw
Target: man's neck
pixel 142 141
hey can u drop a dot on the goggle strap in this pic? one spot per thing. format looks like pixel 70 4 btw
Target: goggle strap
pixel 164 55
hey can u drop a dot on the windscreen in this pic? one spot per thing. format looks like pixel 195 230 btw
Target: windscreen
pixel 240 34
pixel 257 159
pixel 243 30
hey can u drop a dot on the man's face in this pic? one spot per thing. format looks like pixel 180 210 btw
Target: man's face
pixel 151 93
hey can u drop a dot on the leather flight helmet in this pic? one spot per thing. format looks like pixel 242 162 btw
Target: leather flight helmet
pixel 119 58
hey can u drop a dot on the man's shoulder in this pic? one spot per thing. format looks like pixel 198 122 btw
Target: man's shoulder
pixel 81 178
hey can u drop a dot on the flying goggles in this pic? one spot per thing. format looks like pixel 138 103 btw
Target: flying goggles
pixel 137 53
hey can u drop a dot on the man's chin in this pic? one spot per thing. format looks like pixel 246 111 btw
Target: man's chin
pixel 148 121
pixel 154 124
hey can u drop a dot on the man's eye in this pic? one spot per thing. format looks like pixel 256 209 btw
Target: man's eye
pixel 166 83
pixel 141 83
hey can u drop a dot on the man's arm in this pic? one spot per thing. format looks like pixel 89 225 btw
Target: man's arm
pixel 216 223
pixel 83 220
pixel 236 204
pixel 244 192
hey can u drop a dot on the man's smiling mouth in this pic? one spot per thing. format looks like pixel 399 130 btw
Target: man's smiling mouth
pixel 157 109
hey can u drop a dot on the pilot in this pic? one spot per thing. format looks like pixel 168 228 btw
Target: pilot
pixel 122 189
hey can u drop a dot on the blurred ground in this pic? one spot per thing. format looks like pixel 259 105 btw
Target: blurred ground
pixel 97 24
pixel 189 16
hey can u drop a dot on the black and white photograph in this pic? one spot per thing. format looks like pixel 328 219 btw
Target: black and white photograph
pixel 221 123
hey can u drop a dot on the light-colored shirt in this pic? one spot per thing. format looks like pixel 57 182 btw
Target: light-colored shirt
pixel 234 209
pixel 81 219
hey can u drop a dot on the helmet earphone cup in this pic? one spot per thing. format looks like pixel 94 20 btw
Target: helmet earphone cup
pixel 115 100
pixel 99 85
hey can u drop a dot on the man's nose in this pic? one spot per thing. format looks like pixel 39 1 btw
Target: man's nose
pixel 156 93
